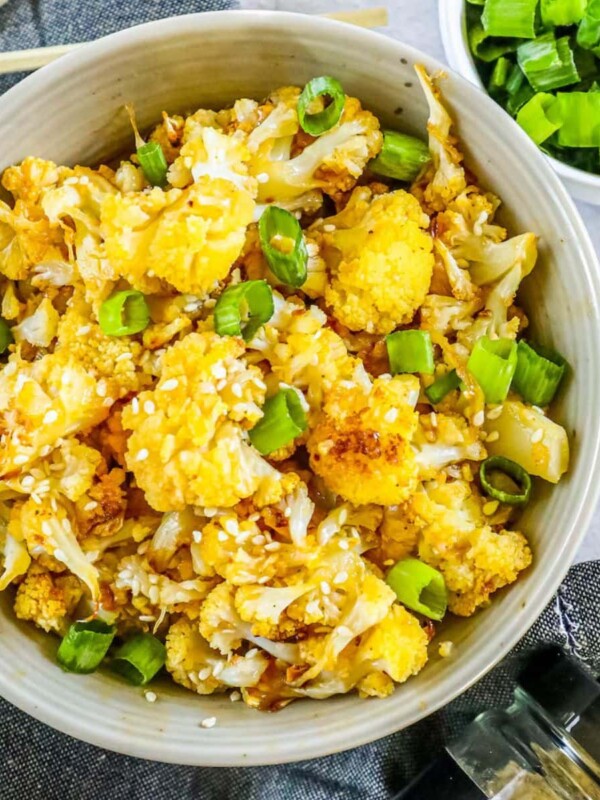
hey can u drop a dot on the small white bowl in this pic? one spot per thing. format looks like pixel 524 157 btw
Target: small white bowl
pixel 453 26
pixel 72 111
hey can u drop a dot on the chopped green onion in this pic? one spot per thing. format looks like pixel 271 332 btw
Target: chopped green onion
pixel 578 114
pixel 562 12
pixel 548 62
pixel 124 313
pixel 283 420
pixel 442 386
pixel 283 245
pixel 321 121
pixel 515 80
pixel 492 363
pixel 242 309
pixel 517 100
pixel 588 33
pixel 510 18
pixel 538 374
pixel 504 466
pixel 487 49
pixel 153 163
pixel 402 157
pixel 476 2
pixel 419 587
pixel 6 337
pixel 500 73
pixel 139 659
pixel 84 646
pixel 532 117
pixel 410 351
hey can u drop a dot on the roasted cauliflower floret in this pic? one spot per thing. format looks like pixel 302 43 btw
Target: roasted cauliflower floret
pixel 48 600
pixel 190 660
pixel 189 438
pixel 380 260
pixel 361 446
pixel 474 559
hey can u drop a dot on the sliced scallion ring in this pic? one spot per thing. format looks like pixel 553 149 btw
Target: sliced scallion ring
pixel 492 363
pixel 419 587
pixel 442 386
pixel 153 163
pixel 402 157
pixel 283 420
pixel 139 659
pixel 538 373
pixel 124 313
pixel 283 245
pixel 84 646
pixel 242 309
pixel 321 121
pixel 410 351
pixel 515 471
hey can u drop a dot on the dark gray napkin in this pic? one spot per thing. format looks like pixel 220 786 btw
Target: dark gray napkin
pixel 36 762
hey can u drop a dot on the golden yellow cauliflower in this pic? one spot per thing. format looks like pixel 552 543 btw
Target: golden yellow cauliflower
pixel 187 237
pixel 189 444
pixel 47 599
pixel 361 445
pixel 380 259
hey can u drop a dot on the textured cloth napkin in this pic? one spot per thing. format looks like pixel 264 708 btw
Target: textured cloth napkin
pixel 37 762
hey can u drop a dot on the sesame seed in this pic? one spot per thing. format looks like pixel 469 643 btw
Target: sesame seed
pixel 343 544
pixel 433 419
pixel 142 454
pixel 218 371
pixel 252 652
pixel 124 357
pixel 108 401
pixel 27 482
pixel 391 415
pixel 494 413
pixel 209 722
pixel 205 673
pixel 329 228
pixel 287 513
pixel 341 577
pixel 197 536
pixel 169 385
pixel 135 405
pixel 101 389
pixel 149 407
pixel 222 536
pixel 231 527
pixel 235 696
pixel 236 389
pixel 50 417
pixel 83 330
pixel 37 500
pixel 46 450
pixel 90 506
pixel 445 649
pixel 150 697
pixel 210 512
pixel 258 539
pixel 22 459
pixel 490 508
pixel 60 554
pixel 272 546
pixel 218 668
pixel 262 177
pixel 325 587
pixel 479 419
pixel 313 608
pixel 388 562
pixel 343 516
pixel 264 579
pixel 493 436
pixel 221 385
pixel 537 436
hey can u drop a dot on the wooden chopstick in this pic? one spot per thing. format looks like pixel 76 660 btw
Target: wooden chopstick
pixel 28 60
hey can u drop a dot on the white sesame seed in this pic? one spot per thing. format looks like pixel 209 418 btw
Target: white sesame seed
pixel 83 330
pixel 205 673
pixel 236 389
pixel 170 384
pixel 258 539
pixel 221 385
pixel 135 405
pixel 343 544
pixel 37 500
pixel 493 436
pixel 313 608
pixel 494 413
pixel 325 587
pixel 252 652
pixel 149 407
pixel 433 419
pixel 90 506
pixel 329 228
pixel 287 513
pixel 235 696
pixel 60 554
pixel 222 536
pixel 22 459
pixel 218 371
pixel 262 177
pixel 142 454
pixel 101 388
pixel 343 516
pixel 27 482
pixel 197 536
pixel 264 579
pixel 272 546
pixel 218 668
pixel 50 417
pixel 209 722
pixel 150 697
pixel 537 436
pixel 231 527
pixel 479 419
pixel 124 357
pixel 210 512
pixel 108 401
pixel 46 450
pixel 341 577
pixel 391 415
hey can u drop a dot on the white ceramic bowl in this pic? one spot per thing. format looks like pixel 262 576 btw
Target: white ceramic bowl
pixel 453 26
pixel 72 111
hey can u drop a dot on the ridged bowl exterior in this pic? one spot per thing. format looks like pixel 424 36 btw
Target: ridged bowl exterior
pixel 72 112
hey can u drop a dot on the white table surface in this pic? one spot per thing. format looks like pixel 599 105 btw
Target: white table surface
pixel 416 23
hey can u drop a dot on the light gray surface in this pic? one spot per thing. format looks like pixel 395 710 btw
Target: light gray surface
pixel 416 22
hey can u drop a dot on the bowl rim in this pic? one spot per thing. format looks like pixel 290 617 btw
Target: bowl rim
pixel 453 29
pixel 370 726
